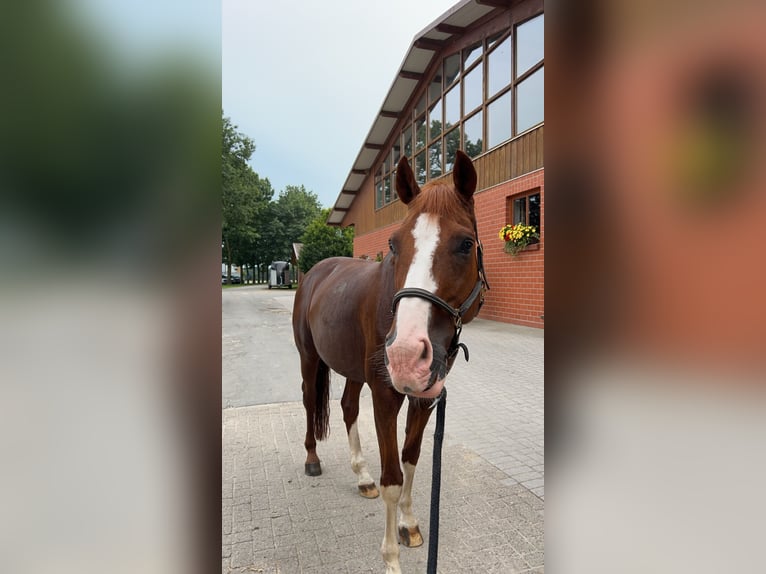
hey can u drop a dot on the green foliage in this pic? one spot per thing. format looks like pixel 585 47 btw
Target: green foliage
pixel 321 241
pixel 256 229
pixel 245 196
pixel 294 210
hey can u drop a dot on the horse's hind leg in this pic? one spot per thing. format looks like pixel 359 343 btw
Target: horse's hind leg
pixel 350 404
pixel 315 387
pixel 417 417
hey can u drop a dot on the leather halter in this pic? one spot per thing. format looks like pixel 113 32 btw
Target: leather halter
pixel 456 313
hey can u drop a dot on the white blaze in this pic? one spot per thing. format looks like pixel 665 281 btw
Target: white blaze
pixel 413 313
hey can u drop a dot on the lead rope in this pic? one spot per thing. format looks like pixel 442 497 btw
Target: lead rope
pixel 436 473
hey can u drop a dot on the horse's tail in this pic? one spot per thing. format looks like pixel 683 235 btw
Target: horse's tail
pixel 322 410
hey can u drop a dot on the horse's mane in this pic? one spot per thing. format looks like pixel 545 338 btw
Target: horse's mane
pixel 440 199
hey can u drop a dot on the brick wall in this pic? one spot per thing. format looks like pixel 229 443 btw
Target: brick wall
pixel 375 242
pixel 517 282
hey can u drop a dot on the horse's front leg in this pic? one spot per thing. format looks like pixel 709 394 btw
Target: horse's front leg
pixel 417 418
pixel 386 404
pixel 350 404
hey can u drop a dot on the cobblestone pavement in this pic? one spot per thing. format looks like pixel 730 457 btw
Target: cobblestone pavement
pixel 277 520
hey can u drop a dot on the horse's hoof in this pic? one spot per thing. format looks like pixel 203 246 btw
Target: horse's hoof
pixel 369 490
pixel 410 537
pixel 313 469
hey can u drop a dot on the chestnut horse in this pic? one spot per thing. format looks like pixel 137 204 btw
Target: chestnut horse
pixel 394 325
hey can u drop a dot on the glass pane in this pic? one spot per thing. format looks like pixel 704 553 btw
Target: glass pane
pixel 530 101
pixel 492 41
pixel 473 137
pixel 435 160
pixel 472 89
pixel 471 54
pixel 520 210
pixel 420 167
pixel 534 211
pixel 386 164
pixel 452 107
pixel 379 194
pixel 420 133
pixel 451 145
pixel 421 106
pixel 396 153
pixel 407 141
pixel 387 190
pixel 451 69
pixel 499 68
pixel 435 120
pixel 529 44
pixel 435 89
pixel 499 121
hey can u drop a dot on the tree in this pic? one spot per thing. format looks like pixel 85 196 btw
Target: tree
pixel 290 215
pixel 244 196
pixel 321 241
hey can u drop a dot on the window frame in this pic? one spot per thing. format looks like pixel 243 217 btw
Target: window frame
pixel 510 209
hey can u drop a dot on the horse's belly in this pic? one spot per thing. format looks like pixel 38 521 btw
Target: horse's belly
pixel 340 343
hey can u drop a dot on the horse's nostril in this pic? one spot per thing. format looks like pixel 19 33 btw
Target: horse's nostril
pixel 424 354
pixel 390 339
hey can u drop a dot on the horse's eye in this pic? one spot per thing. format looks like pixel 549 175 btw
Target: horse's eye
pixel 391 246
pixel 466 246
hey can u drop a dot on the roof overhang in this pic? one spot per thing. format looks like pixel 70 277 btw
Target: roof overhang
pixel 426 45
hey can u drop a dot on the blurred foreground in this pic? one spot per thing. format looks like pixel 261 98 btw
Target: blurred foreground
pixel 109 322
pixel 655 284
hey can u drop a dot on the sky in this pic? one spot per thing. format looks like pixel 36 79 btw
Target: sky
pixel 305 79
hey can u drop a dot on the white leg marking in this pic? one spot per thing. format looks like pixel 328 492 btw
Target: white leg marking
pixel 405 502
pixel 358 463
pixel 414 312
pixel 390 547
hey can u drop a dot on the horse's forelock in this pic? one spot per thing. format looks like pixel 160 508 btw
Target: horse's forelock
pixel 441 200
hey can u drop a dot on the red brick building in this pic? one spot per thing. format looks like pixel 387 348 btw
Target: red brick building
pixel 472 80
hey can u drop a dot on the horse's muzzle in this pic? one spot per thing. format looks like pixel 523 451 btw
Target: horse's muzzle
pixel 409 362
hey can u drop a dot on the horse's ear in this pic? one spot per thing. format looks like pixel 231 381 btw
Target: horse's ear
pixel 406 186
pixel 464 175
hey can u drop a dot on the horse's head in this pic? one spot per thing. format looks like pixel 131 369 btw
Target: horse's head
pixel 437 276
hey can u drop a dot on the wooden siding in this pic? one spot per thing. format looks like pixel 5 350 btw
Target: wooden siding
pixel 516 157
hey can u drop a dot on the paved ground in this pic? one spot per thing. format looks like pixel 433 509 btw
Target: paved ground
pixel 277 520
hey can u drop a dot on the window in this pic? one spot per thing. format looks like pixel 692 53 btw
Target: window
pixel 452 107
pixel 472 129
pixel 499 68
pixel 530 99
pixel 420 133
pixel 530 39
pixel 435 160
pixel 451 145
pixel 384 178
pixel 451 69
pixel 472 87
pixel 499 120
pixel 525 209
pixel 420 168
pixel 407 140
pixel 529 79
pixel 478 97
pixel 435 120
